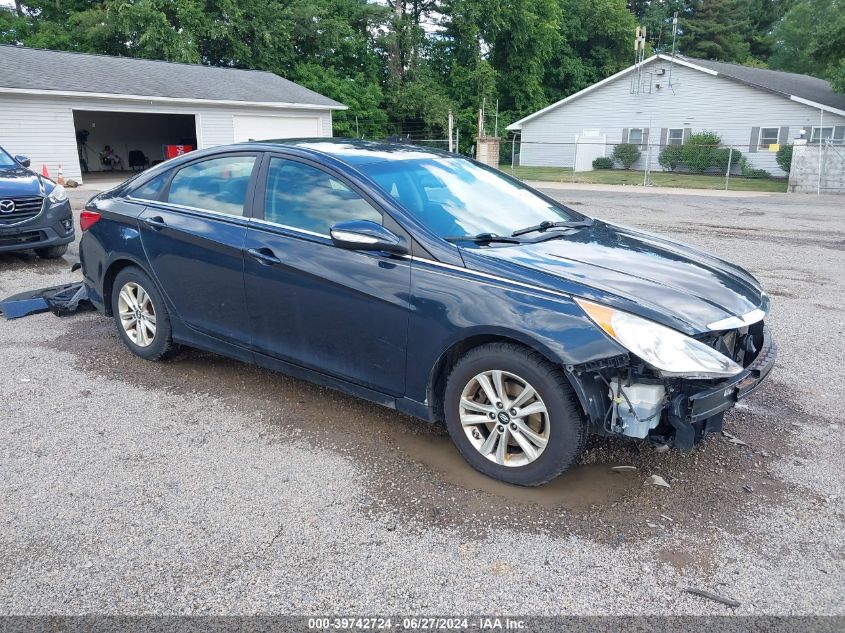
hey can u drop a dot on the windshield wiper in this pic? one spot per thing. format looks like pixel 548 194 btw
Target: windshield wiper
pixel 545 226
pixel 483 238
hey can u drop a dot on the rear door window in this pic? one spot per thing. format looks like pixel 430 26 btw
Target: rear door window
pixel 217 184
pixel 152 190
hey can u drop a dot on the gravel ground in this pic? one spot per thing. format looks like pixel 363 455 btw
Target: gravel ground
pixel 205 486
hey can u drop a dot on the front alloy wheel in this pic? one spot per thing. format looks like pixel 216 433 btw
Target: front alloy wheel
pixel 137 314
pixel 504 418
pixel 512 414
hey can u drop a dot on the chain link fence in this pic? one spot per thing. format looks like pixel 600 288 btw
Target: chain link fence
pixel 710 166
pixel 763 166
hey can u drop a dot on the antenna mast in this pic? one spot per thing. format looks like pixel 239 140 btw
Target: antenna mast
pixel 639 57
pixel 674 37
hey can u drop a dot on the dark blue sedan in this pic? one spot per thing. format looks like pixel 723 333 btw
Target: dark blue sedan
pixel 434 285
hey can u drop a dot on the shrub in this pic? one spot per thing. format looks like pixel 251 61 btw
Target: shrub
pixel 603 162
pixel 700 151
pixel 670 157
pixel 752 172
pixel 626 154
pixel 784 158
pixel 722 155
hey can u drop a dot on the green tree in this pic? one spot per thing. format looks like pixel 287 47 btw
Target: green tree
pixel 595 41
pixel 716 29
pixel 810 39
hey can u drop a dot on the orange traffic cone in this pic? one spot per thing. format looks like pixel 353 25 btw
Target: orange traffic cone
pixel 60 179
pixel 44 171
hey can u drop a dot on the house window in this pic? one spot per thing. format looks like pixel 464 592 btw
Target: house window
pixel 676 136
pixel 635 136
pixel 768 136
pixel 821 133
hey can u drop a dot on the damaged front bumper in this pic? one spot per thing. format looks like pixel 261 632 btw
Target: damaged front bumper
pixel 679 413
pixel 60 300
pixel 697 410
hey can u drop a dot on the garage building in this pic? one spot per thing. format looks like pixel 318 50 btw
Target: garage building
pixel 62 108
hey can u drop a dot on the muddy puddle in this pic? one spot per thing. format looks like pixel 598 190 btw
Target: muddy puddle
pixel 582 486
pixel 412 473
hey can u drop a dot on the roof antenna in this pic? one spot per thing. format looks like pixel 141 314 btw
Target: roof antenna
pixel 674 36
pixel 639 57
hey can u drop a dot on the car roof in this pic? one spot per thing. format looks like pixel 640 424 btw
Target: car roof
pixel 357 151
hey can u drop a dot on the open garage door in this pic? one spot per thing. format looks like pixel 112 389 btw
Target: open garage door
pixel 260 128
pixel 136 140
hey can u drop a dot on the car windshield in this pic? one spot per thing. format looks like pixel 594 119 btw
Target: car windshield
pixel 6 160
pixel 456 197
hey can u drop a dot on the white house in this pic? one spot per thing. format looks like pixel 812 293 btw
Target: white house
pixel 63 108
pixel 665 99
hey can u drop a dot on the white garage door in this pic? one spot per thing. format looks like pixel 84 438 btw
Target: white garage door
pixel 259 128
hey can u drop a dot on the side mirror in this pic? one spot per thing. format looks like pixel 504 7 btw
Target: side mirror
pixel 363 235
pixel 23 160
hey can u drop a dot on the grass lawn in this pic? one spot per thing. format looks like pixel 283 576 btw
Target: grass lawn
pixel 658 179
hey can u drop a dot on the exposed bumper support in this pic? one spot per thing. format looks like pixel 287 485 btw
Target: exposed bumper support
pixel 693 408
pixel 696 412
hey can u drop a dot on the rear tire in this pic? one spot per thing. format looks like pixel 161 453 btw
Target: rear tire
pixel 51 252
pixel 141 314
pixel 544 432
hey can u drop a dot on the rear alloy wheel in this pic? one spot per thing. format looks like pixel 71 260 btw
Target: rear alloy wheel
pixel 140 314
pixel 137 314
pixel 513 415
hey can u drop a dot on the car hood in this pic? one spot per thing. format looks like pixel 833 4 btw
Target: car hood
pixel 17 181
pixel 652 275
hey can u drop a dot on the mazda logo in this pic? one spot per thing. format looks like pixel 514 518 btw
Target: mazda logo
pixel 7 206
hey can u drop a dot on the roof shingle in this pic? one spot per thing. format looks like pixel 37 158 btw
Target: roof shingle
pixel 39 69
pixel 788 84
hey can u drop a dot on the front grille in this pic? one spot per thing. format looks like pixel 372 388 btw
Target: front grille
pixel 28 237
pixel 24 209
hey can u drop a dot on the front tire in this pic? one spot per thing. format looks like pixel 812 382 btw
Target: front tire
pixel 513 415
pixel 51 252
pixel 141 315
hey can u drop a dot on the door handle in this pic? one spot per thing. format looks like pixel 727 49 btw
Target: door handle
pixel 264 256
pixel 156 222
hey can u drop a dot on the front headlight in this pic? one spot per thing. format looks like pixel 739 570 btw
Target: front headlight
pixel 59 194
pixel 665 349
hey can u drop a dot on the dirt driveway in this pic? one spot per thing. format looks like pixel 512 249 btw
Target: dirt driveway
pixel 203 485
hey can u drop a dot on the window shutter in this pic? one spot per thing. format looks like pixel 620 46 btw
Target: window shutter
pixel 783 137
pixel 624 135
pixel 755 139
pixel 645 138
pixel 664 136
pixel 687 133
pixel 839 134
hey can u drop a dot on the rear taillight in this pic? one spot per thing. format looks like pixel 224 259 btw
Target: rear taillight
pixel 87 219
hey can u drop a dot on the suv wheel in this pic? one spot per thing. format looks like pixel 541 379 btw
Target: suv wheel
pixel 51 252
pixel 140 314
pixel 512 414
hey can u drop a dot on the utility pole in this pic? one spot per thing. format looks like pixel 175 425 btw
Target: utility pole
pixel 458 139
pixel 451 123
pixel 496 126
